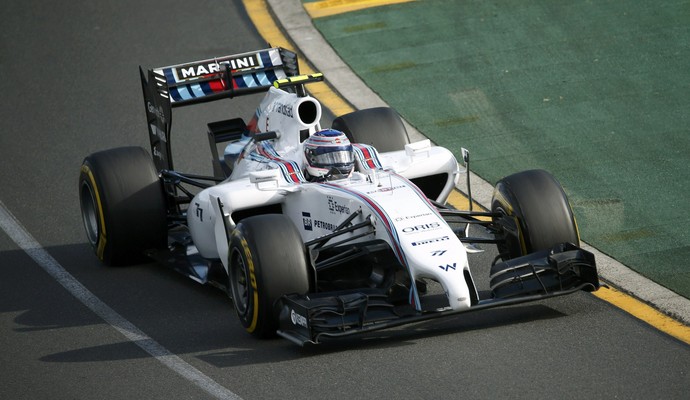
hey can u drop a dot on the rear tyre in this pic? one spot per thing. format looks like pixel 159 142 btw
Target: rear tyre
pixel 266 261
pixel 380 127
pixel 536 214
pixel 122 205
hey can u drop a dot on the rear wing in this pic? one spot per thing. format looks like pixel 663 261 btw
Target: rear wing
pixel 203 81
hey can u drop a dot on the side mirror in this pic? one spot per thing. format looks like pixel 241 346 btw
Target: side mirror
pixel 260 137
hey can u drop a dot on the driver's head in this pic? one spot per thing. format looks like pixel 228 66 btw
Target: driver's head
pixel 329 155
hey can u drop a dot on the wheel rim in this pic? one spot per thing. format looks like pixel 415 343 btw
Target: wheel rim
pixel 239 282
pixel 503 248
pixel 513 244
pixel 89 213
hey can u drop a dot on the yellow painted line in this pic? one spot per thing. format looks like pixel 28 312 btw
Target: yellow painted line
pixel 325 8
pixel 461 202
pixel 268 29
pixel 645 313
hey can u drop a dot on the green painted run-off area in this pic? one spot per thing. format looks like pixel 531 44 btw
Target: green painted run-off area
pixel 597 92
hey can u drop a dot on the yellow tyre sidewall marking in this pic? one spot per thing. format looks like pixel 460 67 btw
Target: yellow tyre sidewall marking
pixel 99 209
pixel 252 281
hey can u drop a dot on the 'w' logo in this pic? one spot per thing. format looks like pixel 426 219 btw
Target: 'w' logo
pixel 447 267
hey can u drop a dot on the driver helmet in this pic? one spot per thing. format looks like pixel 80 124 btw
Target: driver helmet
pixel 329 155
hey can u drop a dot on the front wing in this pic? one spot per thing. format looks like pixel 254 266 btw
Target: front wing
pixel 307 319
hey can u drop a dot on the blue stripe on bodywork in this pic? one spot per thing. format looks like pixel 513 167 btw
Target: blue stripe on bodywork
pixel 239 81
pixel 184 92
pixel 271 76
pixel 196 90
pixel 265 59
pixel 169 76
pixel 175 95
pixel 206 88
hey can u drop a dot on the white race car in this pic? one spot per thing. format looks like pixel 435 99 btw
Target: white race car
pixel 318 232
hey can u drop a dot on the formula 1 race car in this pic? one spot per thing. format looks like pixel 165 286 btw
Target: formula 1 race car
pixel 315 232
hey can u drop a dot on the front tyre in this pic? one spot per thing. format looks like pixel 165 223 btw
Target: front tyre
pixel 540 251
pixel 266 261
pixel 535 213
pixel 122 205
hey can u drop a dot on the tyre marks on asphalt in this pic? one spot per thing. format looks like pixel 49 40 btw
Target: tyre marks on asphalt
pixel 20 236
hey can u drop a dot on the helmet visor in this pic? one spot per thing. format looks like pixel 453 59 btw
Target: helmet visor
pixel 333 158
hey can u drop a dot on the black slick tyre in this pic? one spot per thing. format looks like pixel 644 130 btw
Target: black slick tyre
pixel 266 261
pixel 536 214
pixel 122 205
pixel 380 127
pixel 537 220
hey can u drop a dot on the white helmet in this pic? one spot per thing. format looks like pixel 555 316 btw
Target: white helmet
pixel 329 155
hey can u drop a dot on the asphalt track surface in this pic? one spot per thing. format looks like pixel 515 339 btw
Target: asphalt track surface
pixel 70 328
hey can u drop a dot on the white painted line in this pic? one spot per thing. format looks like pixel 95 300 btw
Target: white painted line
pixel 26 242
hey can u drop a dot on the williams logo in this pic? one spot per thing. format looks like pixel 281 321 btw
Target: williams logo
pixel 447 267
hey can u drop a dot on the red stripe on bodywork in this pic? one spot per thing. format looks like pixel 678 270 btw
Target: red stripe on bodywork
pixel 292 173
pixel 217 86
pixel 368 156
